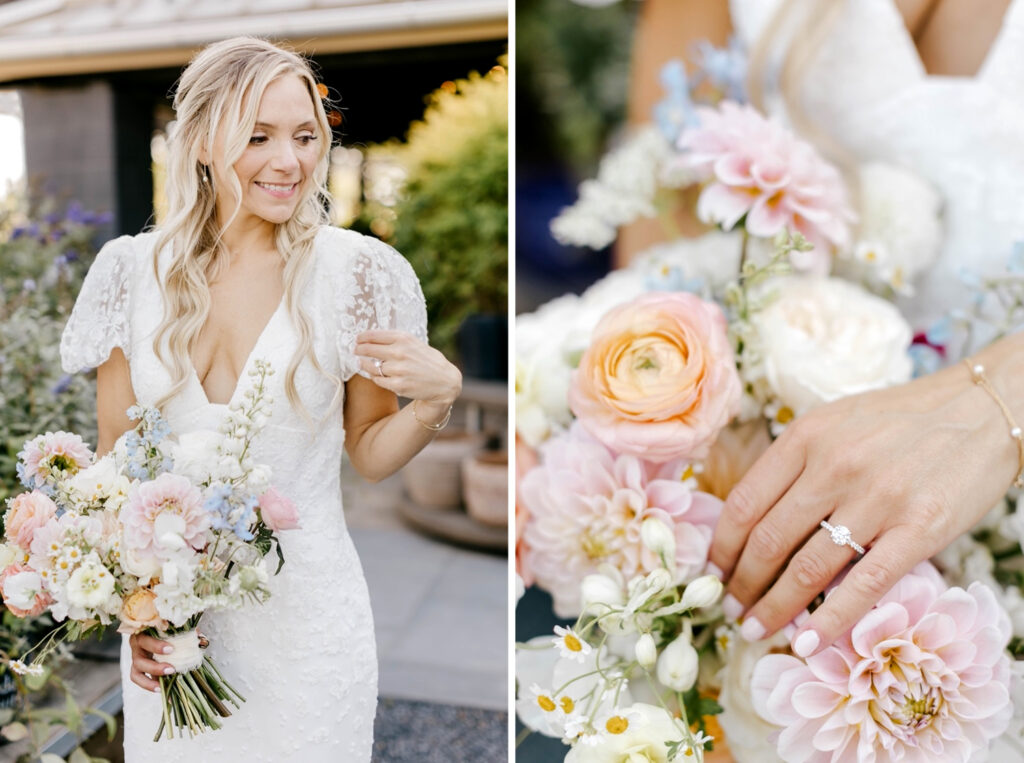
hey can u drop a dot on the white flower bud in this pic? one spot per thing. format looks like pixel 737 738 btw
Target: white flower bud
pixel 658 537
pixel 678 664
pixel 702 592
pixel 646 651
pixel 598 593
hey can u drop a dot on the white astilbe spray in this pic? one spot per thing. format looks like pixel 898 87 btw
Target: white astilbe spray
pixel 627 183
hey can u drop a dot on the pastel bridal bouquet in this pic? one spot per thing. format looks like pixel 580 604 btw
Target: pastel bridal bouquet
pixel 642 401
pixel 152 535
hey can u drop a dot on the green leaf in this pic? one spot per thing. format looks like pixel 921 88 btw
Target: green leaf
pixel 79 756
pixel 49 757
pixel 108 719
pixel 14 732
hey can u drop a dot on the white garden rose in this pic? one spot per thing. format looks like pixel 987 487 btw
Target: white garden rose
pixel 195 453
pixel 636 733
pixel 900 232
pixel 747 732
pixel 823 338
pixel 96 482
pixel 21 588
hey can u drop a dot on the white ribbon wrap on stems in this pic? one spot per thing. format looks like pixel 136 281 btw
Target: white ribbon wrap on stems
pixel 186 655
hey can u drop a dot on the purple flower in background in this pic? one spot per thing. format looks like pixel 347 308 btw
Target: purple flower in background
pixel 62 385
pixel 28 285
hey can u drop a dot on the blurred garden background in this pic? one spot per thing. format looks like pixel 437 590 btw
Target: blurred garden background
pixel 420 91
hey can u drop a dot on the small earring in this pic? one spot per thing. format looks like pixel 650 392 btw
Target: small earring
pixel 206 174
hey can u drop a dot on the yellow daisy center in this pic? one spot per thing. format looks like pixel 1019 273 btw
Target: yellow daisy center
pixel 616 724
pixel 785 415
pixel 572 643
pixel 546 703
pixel 567 705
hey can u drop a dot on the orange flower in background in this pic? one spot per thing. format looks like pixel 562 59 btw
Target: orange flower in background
pixel 659 379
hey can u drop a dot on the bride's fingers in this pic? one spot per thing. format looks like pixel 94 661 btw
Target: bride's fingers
pixel 811 570
pixel 766 481
pixel 141 679
pixel 892 555
pixel 149 644
pixel 773 540
pixel 152 667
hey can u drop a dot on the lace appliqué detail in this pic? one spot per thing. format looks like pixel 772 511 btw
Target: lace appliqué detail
pixel 99 320
pixel 382 292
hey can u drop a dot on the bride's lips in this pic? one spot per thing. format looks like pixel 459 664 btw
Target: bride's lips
pixel 278 190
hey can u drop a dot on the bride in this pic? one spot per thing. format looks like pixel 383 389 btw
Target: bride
pixel 245 268
pixel 933 85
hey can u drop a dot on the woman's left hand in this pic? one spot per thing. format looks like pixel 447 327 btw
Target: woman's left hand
pixel 399 362
pixel 906 469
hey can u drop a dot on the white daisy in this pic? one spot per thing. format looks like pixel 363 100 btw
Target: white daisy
pixel 570 645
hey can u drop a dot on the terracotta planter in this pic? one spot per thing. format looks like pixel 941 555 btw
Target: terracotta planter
pixel 433 478
pixel 485 486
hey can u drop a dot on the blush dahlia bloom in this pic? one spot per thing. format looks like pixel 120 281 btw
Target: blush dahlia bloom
pixel 161 512
pixel 659 379
pixel 53 451
pixel 758 168
pixel 923 676
pixel 27 513
pixel 586 505
pixel 278 512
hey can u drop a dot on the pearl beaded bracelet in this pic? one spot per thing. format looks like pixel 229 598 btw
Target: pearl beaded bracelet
pixel 978 377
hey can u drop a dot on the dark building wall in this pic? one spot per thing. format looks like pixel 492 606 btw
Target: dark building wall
pixel 88 138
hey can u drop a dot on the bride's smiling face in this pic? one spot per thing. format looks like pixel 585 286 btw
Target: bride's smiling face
pixel 279 159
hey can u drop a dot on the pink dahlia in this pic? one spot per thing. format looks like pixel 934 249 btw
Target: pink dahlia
pixel 166 513
pixel 924 676
pixel 586 504
pixel 659 379
pixel 758 168
pixel 52 453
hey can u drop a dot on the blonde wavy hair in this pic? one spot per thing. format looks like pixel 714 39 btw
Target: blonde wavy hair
pixel 221 88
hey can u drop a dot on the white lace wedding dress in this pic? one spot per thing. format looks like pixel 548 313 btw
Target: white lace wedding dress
pixel 867 88
pixel 305 660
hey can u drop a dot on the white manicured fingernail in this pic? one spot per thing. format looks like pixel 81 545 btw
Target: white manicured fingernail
pixel 732 607
pixel 168 670
pixel 806 643
pixel 752 629
pixel 167 649
pixel 714 569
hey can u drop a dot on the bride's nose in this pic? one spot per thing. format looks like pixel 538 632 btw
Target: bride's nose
pixel 284 157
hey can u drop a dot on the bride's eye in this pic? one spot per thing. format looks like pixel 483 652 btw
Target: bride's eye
pixel 306 139
pixel 257 140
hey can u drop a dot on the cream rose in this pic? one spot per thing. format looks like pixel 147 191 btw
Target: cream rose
pixel 823 338
pixel 659 379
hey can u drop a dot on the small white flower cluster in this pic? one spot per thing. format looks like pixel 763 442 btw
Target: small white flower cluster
pixel 628 180
pixel 584 682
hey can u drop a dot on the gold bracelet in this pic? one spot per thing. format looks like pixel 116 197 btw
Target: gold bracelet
pixel 427 425
pixel 978 377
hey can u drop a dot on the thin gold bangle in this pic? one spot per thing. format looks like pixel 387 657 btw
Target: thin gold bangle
pixel 427 425
pixel 978 377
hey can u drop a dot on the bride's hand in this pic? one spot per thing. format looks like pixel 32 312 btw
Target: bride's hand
pixel 906 469
pixel 145 670
pixel 403 364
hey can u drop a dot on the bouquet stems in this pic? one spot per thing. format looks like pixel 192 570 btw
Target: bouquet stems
pixel 194 700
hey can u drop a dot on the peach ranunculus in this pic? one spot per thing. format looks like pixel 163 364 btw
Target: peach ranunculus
pixel 659 379
pixel 139 611
pixel 27 513
pixel 277 511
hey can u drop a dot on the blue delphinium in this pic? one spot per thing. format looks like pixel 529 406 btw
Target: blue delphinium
pixel 675 112
pixel 725 68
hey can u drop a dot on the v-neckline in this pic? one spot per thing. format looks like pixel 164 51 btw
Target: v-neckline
pixel 911 44
pixel 245 365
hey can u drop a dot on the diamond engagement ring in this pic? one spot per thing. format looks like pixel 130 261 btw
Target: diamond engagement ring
pixel 380 366
pixel 841 536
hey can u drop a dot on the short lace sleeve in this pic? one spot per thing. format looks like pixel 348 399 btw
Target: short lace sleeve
pixel 383 293
pixel 99 319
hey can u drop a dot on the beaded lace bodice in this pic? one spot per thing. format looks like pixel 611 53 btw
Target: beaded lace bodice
pixel 305 660
pixel 867 88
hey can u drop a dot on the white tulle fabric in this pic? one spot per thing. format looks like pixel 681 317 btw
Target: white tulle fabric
pixel 867 88
pixel 306 660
